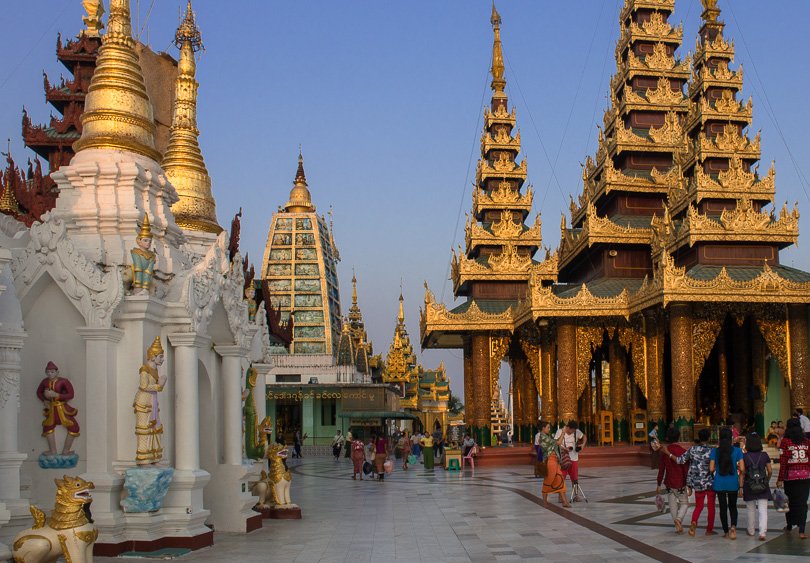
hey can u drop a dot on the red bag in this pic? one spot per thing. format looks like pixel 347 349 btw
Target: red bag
pixel 565 460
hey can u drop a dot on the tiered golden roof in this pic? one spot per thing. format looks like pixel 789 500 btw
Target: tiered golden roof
pixel 183 162
pixel 117 112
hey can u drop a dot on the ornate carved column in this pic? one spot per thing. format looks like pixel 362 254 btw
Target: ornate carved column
pixel 799 361
pixel 470 413
pixel 481 378
pixel 11 458
pixel 232 402
pixel 741 367
pixel 566 370
pixel 549 404
pixel 683 386
pixel 525 399
pixel 656 394
pixel 758 368
pixel 531 414
pixel 618 389
pixel 722 371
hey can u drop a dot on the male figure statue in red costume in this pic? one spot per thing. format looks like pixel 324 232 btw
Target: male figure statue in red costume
pixel 55 392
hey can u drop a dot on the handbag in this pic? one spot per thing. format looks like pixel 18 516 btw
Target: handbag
pixel 541 469
pixel 565 460
pixel 660 504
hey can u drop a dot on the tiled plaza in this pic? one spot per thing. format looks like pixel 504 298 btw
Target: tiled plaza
pixel 487 515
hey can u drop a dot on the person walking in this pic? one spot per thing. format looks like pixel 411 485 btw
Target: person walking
pixel 726 464
pixel 358 457
pixel 700 480
pixel 337 445
pixel 538 451
pixel 756 489
pixel 405 449
pixel 794 474
pixel 349 440
pixel 554 481
pixel 297 443
pixel 416 441
pixel 438 444
pixel 572 439
pixel 673 476
pixel 380 455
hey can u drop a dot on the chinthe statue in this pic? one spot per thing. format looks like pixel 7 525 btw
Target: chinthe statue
pixel 68 532
pixel 143 259
pixel 148 427
pixel 273 489
pixel 55 392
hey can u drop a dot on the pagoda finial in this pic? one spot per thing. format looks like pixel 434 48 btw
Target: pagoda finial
pixel 401 314
pixel 498 82
pixel 183 161
pixel 710 11
pixel 300 198
pixel 117 112
pixel 92 21
pixel 8 201
pixel 354 288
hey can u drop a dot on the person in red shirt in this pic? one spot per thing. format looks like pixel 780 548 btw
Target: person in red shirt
pixel 55 392
pixel 794 474
pixel 673 476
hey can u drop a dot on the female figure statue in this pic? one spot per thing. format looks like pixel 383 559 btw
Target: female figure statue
pixel 148 427
pixel 143 259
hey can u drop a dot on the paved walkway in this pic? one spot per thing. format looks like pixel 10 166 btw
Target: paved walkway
pixel 487 515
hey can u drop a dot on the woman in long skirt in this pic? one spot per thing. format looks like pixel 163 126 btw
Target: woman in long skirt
pixel 555 480
pixel 358 457
pixel 380 455
pixel 427 451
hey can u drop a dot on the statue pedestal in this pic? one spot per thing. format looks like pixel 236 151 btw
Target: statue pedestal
pixel 57 461
pixel 231 503
pixel 291 512
pixel 146 488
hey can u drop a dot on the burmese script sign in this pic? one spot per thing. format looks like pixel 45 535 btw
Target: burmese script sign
pixel 352 398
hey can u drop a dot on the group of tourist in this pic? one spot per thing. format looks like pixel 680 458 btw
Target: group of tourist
pixel 728 473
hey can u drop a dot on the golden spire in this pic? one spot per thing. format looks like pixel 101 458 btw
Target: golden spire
pixel 183 162
pixel 354 290
pixel 498 82
pixel 710 11
pixel 92 21
pixel 401 315
pixel 117 112
pixel 146 228
pixel 8 201
pixel 300 198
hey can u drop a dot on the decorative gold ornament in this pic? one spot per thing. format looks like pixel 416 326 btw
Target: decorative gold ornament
pixel 146 228
pixel 92 21
pixel 155 349
pixel 183 161
pixel 117 112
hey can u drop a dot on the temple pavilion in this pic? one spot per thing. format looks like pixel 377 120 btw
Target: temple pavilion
pixel 668 262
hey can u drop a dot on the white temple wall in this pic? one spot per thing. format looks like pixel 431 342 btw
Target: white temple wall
pixel 51 321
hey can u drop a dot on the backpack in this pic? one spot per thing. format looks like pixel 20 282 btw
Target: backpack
pixel 756 476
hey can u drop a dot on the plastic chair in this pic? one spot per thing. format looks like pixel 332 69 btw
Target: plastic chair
pixel 452 465
pixel 470 457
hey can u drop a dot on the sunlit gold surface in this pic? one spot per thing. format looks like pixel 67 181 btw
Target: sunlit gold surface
pixel 183 161
pixel 117 111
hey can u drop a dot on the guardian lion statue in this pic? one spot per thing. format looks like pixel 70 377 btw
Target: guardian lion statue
pixel 279 476
pixel 68 532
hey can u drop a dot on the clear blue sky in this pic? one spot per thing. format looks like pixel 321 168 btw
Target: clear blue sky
pixel 386 98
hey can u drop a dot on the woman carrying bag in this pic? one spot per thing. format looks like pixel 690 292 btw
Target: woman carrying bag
pixel 794 474
pixel 726 464
pixel 555 480
pixel 756 488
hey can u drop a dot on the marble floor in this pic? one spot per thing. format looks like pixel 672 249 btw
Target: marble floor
pixel 484 515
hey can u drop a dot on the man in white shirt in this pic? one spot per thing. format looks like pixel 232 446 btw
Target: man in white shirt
pixel 571 438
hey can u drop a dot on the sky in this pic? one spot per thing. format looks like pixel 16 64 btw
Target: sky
pixel 386 99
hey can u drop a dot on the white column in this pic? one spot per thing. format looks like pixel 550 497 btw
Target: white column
pixel 186 399
pixel 232 401
pixel 260 391
pixel 11 458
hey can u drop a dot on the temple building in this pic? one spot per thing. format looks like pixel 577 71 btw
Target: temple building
pixel 670 259
pixel 492 272
pixel 300 269
pixel 108 280
pixel 424 393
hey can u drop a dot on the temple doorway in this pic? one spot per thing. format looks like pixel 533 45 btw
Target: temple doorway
pixel 288 418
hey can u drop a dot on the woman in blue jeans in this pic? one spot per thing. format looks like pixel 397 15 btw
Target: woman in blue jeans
pixel 727 466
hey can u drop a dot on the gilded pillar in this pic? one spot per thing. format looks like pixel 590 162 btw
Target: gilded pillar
pixel 722 370
pixel 532 413
pixel 526 400
pixel 799 363
pixel 481 389
pixel 683 387
pixel 618 389
pixel 469 386
pixel 741 379
pixel 566 370
pixel 518 401
pixel 656 394
pixel 758 367
pixel 548 373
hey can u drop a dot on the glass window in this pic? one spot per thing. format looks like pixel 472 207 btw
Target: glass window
pixel 329 412
pixel 288 378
